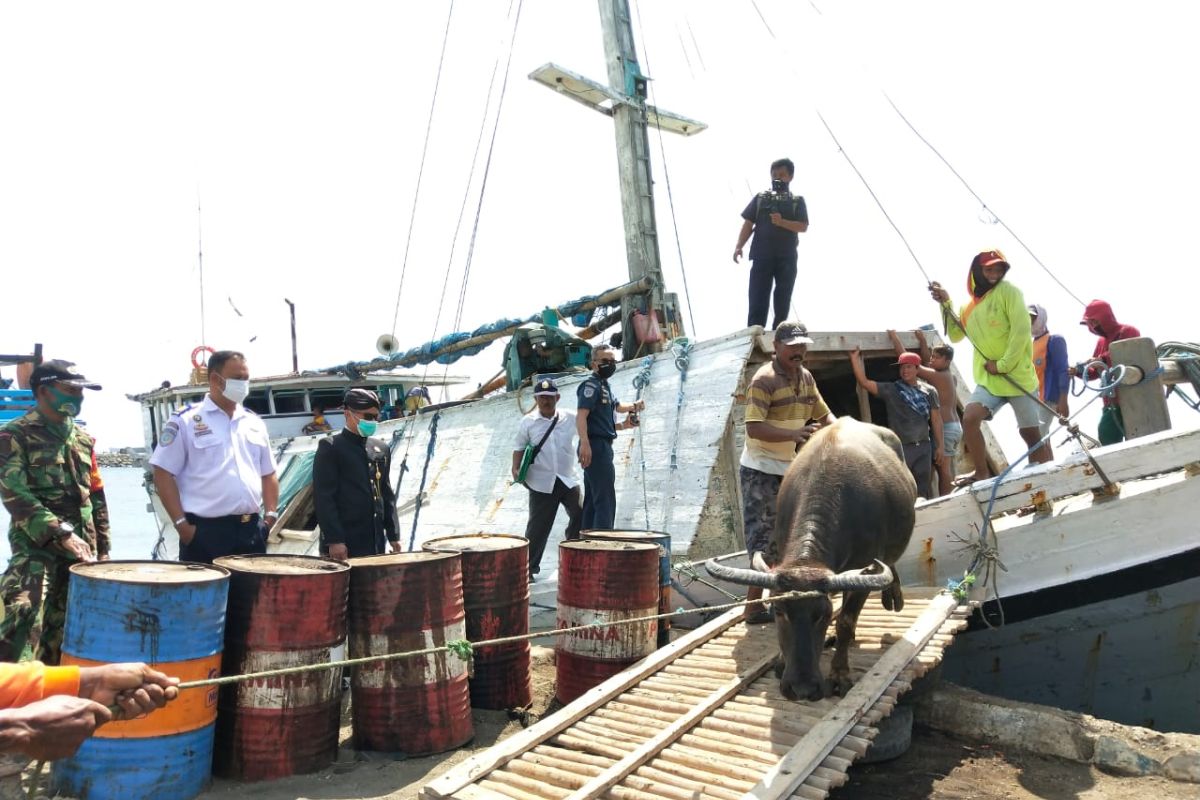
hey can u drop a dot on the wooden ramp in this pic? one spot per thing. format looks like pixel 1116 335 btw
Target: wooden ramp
pixel 703 717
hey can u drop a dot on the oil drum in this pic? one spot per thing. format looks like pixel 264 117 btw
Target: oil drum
pixel 401 603
pixel 663 540
pixel 599 583
pixel 495 575
pixel 171 616
pixel 284 611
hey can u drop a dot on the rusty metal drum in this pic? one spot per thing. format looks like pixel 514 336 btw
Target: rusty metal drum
pixel 400 603
pixel 663 541
pixel 598 583
pixel 495 575
pixel 284 611
pixel 172 616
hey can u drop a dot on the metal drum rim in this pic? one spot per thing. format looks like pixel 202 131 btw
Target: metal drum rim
pixel 409 558
pixel 333 566
pixel 85 570
pixel 518 541
pixel 578 545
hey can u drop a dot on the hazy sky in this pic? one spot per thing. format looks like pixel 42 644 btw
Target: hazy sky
pixel 299 126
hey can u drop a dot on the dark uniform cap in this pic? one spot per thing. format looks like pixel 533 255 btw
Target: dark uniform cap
pixel 792 333
pixel 58 371
pixel 545 387
pixel 360 399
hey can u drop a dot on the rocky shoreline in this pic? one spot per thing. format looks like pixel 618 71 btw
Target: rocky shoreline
pixel 120 459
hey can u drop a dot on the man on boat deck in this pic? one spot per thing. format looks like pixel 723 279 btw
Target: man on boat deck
pixel 938 375
pixel 912 413
pixel 996 321
pixel 597 425
pixel 1100 320
pixel 1052 367
pixel 774 218
pixel 51 487
pixel 547 433
pixel 352 488
pixel 783 409
pixel 214 470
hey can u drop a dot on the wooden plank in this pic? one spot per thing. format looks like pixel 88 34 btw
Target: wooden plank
pixel 481 764
pixel 651 747
pixel 1143 405
pixel 792 770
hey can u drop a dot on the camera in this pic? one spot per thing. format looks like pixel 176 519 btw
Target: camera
pixel 778 200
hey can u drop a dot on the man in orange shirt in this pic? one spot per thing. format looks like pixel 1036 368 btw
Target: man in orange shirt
pixel 47 712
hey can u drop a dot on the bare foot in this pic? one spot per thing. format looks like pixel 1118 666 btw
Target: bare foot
pixel 968 479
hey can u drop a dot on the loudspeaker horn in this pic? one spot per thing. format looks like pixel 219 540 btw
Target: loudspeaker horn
pixel 387 344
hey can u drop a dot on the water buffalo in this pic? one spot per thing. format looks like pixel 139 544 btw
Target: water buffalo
pixel 846 504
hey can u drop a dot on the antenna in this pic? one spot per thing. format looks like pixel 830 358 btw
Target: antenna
pixel 200 262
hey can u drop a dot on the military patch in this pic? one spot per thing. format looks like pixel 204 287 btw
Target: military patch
pixel 169 432
pixel 588 391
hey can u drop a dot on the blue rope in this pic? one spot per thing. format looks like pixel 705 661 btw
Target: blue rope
pixel 433 426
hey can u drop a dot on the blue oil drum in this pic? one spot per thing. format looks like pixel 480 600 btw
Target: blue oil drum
pixel 172 616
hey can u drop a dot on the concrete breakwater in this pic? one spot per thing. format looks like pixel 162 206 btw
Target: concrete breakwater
pixel 121 459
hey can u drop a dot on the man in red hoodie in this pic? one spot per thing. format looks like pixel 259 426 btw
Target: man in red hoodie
pixel 1100 320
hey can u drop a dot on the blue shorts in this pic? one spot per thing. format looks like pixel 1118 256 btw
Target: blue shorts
pixel 1025 407
pixel 951 437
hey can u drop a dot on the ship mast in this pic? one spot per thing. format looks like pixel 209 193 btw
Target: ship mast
pixel 624 99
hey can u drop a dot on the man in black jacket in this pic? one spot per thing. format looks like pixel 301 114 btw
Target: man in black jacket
pixel 356 507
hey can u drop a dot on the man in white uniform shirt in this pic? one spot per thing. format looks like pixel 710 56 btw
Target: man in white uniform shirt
pixel 550 477
pixel 214 470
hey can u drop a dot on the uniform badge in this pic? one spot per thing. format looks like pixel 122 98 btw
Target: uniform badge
pixel 588 391
pixel 169 432
pixel 195 417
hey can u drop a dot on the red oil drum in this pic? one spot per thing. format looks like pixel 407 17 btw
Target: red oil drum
pixel 602 582
pixel 663 541
pixel 399 603
pixel 284 611
pixel 495 575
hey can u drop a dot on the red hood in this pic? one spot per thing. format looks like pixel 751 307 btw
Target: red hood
pixel 1102 313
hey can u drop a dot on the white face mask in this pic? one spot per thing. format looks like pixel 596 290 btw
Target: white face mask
pixel 235 390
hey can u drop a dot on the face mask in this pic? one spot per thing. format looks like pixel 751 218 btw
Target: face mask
pixel 367 427
pixel 606 370
pixel 63 403
pixel 235 390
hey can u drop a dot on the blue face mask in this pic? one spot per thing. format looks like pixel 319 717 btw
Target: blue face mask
pixel 367 427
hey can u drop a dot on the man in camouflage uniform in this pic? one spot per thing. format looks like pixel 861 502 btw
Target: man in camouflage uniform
pixel 51 487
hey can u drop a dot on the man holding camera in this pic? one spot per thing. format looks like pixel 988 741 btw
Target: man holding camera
pixel 774 218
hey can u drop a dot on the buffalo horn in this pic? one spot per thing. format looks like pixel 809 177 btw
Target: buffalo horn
pixel 759 563
pixel 860 580
pixel 742 577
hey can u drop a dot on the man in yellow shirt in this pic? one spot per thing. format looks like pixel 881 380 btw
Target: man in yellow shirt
pixel 996 320
pixel 783 409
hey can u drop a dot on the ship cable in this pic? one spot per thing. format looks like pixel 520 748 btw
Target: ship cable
pixel 687 292
pixel 421 169
pixel 433 426
pixel 640 381
pixel 982 204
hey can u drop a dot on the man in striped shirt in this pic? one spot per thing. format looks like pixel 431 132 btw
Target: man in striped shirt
pixel 783 409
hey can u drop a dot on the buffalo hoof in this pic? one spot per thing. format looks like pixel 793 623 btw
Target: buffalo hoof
pixel 840 683
pixel 779 668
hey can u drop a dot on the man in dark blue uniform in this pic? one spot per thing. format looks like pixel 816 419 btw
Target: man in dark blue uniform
pixel 597 425
pixel 352 489
pixel 775 218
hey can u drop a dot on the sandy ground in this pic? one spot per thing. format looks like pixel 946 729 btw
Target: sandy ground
pixel 936 767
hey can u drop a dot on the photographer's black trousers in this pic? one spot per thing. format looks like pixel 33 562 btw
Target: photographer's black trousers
pixel 777 270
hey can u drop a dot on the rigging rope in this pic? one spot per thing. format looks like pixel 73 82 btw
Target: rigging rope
pixel 687 292
pixel 433 426
pixel 640 382
pixel 985 206
pixel 421 170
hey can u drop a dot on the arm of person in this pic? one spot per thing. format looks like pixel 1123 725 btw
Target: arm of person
pixel 30 518
pixel 100 512
pixel 516 462
pixel 1020 332
pixel 860 374
pixel 585 449
pixel 923 347
pixel 52 728
pixel 270 496
pixel 626 408
pixel 391 523
pixel 950 322
pixel 133 687
pixel 325 489
pixel 793 225
pixel 935 424
pixel 743 237
pixel 168 493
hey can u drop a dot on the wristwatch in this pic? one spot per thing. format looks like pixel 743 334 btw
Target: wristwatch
pixel 65 530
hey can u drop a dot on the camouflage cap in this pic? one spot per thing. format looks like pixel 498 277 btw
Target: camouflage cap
pixel 58 371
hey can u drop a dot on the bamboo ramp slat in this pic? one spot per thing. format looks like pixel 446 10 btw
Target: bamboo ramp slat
pixel 703 718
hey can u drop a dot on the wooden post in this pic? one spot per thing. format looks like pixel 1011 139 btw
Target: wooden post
pixel 1143 403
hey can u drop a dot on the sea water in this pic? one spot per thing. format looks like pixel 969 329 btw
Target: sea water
pixel 134 530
